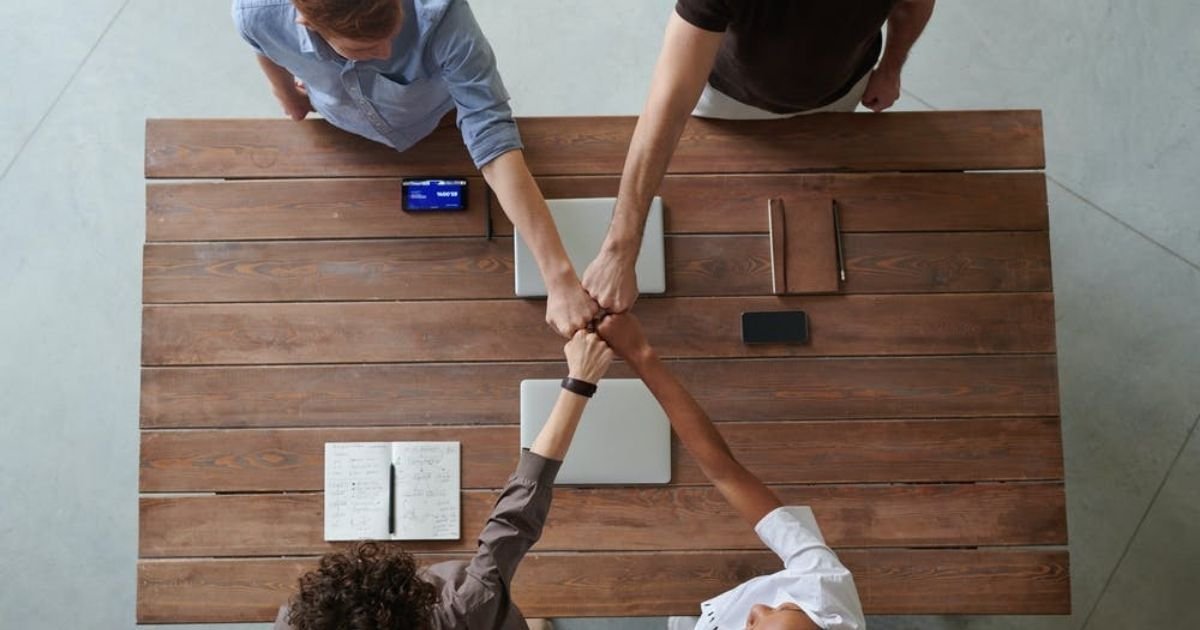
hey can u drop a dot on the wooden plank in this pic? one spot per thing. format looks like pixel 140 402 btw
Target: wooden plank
pixel 730 390
pixel 667 583
pixel 619 519
pixel 901 141
pixel 351 332
pixel 950 262
pixel 274 271
pixel 697 266
pixel 868 451
pixel 328 208
pixel 875 202
pixel 810 256
pixel 696 204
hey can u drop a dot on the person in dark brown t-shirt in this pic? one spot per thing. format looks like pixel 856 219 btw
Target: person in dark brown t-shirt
pixel 749 59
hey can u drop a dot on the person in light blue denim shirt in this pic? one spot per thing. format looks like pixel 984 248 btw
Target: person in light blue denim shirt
pixel 390 71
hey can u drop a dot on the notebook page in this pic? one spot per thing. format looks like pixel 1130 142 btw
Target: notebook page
pixel 356 490
pixel 427 490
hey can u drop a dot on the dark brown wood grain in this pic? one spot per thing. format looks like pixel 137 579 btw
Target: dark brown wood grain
pixel 729 390
pixel 619 519
pixel 447 331
pixel 876 202
pixel 902 141
pixel 551 584
pixel 696 204
pixel 313 208
pixel 696 266
pixel 890 451
pixel 867 451
pixel 277 271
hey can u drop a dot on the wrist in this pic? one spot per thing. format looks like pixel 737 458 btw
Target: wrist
pixel 889 67
pixel 623 248
pixel 559 277
pixel 642 357
pixel 582 387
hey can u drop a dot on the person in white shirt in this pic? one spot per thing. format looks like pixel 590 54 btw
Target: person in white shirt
pixel 814 589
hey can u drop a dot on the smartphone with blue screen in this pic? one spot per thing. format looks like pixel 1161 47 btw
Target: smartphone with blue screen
pixel 431 194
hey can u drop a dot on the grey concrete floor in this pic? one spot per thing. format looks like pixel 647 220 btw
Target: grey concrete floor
pixel 1119 84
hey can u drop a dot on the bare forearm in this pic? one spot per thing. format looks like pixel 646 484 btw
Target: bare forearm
pixel 904 26
pixel 654 141
pixel 689 421
pixel 277 76
pixel 679 76
pixel 522 201
pixel 555 437
pixel 746 493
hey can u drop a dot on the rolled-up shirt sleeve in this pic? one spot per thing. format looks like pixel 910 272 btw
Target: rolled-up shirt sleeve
pixel 469 67
pixel 516 521
pixel 710 15
pixel 822 585
pixel 245 27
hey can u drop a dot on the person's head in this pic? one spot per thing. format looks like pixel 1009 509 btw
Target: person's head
pixel 356 29
pixel 782 617
pixel 368 587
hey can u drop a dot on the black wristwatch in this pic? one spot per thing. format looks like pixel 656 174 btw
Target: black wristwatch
pixel 583 388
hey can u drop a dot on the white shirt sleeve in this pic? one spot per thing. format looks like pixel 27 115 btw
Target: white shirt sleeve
pixel 813 576
pixel 793 534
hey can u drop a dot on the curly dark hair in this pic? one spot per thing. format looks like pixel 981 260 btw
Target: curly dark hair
pixel 368 586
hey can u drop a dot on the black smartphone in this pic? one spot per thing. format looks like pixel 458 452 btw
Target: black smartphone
pixel 775 327
pixel 430 194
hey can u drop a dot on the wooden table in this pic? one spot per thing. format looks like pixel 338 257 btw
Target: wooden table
pixel 290 302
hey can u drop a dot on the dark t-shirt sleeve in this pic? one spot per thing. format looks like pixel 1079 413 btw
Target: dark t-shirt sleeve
pixel 710 15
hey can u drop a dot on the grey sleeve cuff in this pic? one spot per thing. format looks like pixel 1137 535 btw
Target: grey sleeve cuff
pixel 535 468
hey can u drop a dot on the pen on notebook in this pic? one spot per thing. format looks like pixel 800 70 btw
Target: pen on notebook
pixel 392 501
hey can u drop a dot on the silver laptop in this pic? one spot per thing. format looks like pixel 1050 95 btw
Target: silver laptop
pixel 623 437
pixel 582 225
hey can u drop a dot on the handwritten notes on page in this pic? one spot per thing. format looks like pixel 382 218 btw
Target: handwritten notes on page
pixel 356 490
pixel 427 489
pixel 423 496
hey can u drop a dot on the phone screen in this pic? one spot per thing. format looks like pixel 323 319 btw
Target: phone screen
pixel 775 327
pixel 434 195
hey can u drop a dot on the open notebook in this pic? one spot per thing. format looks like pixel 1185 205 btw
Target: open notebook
pixel 392 491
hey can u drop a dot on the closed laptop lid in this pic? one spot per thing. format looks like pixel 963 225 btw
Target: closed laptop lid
pixel 623 437
pixel 582 225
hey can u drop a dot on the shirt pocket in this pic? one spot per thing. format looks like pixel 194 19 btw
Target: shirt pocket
pixel 404 103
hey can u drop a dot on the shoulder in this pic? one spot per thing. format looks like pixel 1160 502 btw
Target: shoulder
pixel 255 11
pixel 262 21
pixel 430 13
pixel 251 6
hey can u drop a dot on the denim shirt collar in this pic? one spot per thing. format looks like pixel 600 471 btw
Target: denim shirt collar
pixel 311 43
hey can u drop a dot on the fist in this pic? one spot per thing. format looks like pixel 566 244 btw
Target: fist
pixel 624 333
pixel 883 88
pixel 570 309
pixel 612 281
pixel 588 357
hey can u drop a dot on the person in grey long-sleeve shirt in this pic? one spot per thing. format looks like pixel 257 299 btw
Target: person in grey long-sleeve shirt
pixel 371 586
